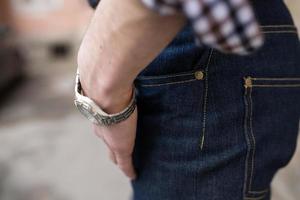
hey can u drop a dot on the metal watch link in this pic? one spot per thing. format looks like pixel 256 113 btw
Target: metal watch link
pixel 94 113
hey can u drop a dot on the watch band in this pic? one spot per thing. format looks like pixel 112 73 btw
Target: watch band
pixel 95 113
pixel 116 118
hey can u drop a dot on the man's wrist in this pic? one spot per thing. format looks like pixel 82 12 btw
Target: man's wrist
pixel 105 85
pixel 112 99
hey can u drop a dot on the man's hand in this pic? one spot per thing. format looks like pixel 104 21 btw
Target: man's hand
pixel 122 39
pixel 119 139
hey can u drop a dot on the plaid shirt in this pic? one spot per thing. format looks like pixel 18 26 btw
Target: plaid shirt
pixel 227 25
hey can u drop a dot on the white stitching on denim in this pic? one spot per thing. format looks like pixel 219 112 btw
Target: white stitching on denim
pixel 254 146
pixel 265 85
pixel 247 120
pixel 253 138
pixel 259 192
pixel 255 198
pixel 247 140
pixel 276 85
pixel 205 100
pixel 281 25
pixel 249 127
pixel 291 31
pixel 169 83
pixel 277 79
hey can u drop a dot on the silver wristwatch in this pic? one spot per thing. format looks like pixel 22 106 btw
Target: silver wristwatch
pixel 94 113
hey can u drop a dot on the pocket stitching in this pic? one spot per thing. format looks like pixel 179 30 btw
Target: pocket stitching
pixel 279 25
pixel 188 73
pixel 247 141
pixel 277 85
pixel 288 28
pixel 291 31
pixel 248 128
pixel 255 198
pixel 169 83
pixel 175 78
pixel 205 101
pixel 277 79
pixel 171 79
pixel 253 138
pixel 279 29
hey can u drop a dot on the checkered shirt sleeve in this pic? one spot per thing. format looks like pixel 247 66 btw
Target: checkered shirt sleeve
pixel 229 26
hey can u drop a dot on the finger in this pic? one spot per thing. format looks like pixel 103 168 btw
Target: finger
pixel 125 164
pixel 112 156
pixel 110 152
pixel 97 131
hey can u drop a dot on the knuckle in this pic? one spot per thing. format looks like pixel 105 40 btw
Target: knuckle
pixel 121 151
pixel 124 167
pixel 116 149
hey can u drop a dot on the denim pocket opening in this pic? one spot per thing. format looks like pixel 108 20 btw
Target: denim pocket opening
pixel 164 75
pixel 178 78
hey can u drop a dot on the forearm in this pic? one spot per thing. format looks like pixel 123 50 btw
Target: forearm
pixel 122 39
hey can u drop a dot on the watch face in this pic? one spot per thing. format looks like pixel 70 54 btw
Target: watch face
pixel 87 111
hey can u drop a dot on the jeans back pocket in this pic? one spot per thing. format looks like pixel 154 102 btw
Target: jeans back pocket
pixel 272 112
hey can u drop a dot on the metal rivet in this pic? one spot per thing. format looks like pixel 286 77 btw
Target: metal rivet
pixel 248 82
pixel 199 75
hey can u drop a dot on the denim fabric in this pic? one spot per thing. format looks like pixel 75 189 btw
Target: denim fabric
pixel 225 135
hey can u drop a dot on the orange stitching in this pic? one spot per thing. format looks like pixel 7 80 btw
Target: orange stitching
pixel 277 79
pixel 167 75
pixel 259 192
pixel 281 25
pixel 248 121
pixel 255 198
pixel 205 101
pixel 276 85
pixel 291 31
pixel 169 83
pixel 253 138
pixel 247 140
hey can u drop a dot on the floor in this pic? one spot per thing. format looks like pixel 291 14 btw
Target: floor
pixel 48 151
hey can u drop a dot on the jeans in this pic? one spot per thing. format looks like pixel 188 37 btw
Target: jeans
pixel 214 126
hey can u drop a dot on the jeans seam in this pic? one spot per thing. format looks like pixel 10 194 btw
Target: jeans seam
pixel 262 85
pixel 279 25
pixel 255 198
pixel 276 79
pixel 276 85
pixel 205 102
pixel 253 138
pixel 287 27
pixel 259 192
pixel 273 29
pixel 247 141
pixel 291 31
pixel 254 147
pixel 248 129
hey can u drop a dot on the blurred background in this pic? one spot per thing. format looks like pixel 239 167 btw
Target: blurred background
pixel 47 150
